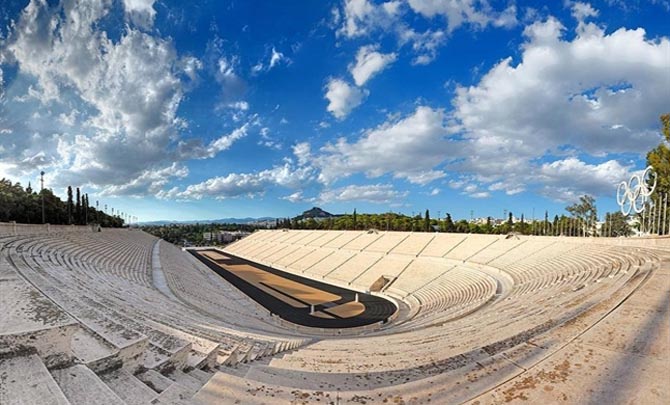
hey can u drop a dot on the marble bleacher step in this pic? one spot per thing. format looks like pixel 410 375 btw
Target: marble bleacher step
pixel 155 358
pixel 128 387
pixel 225 388
pixel 176 394
pixel 155 380
pixel 129 343
pixel 94 352
pixel 82 386
pixel 185 380
pixel 197 359
pixel 26 380
pixel 201 375
pixel 31 321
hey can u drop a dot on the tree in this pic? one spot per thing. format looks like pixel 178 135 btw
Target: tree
pixel 510 220
pixel 426 222
pixel 585 212
pixel 355 219
pixel 77 209
pixel 24 206
pixel 546 222
pixel 70 205
pixel 616 225
pixel 659 158
pixel 555 226
pixel 449 223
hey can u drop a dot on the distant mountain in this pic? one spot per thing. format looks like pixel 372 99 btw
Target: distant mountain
pixel 316 213
pixel 243 221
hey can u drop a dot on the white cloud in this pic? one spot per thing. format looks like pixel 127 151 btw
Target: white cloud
pixel 409 148
pixel 294 198
pixel 434 192
pixel 369 62
pixel 581 11
pixel 151 181
pixel 239 105
pixel 365 18
pixel 563 93
pixel 474 12
pixel 69 119
pixel 116 99
pixel 342 97
pixel 194 149
pixel 362 17
pixel 569 178
pixel 140 12
pixel 424 45
pixel 374 193
pixel 244 184
pixel 276 58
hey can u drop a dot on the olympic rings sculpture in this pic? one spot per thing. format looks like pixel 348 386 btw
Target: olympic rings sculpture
pixel 633 194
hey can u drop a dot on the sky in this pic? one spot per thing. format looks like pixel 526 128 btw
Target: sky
pixel 211 109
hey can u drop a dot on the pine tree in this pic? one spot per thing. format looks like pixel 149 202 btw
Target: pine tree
pixel 85 204
pixel 546 222
pixel 510 220
pixel 449 223
pixel 426 224
pixel 77 208
pixel 355 219
pixel 70 205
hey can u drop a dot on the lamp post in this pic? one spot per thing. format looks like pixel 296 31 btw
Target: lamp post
pixel 42 194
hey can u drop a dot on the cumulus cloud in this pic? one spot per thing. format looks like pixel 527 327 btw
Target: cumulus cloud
pixel 474 12
pixel 424 44
pixel 343 97
pixel 567 179
pixel 408 148
pixel 361 17
pixel 369 62
pixel 563 93
pixel 140 12
pixel 373 193
pixel 235 185
pixel 126 91
pixel 582 11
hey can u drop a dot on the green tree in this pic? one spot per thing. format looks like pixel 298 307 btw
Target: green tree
pixel 616 225
pixel 585 213
pixel 70 205
pixel 426 222
pixel 77 209
pixel 449 223
pixel 659 158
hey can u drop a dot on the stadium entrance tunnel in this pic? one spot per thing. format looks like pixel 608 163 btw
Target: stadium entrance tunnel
pixel 298 299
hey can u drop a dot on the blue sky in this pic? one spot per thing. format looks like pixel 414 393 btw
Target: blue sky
pixel 210 109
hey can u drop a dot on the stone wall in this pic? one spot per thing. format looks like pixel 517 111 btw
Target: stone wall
pixel 12 228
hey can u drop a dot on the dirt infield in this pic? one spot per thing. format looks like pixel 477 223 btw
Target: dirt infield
pixel 291 297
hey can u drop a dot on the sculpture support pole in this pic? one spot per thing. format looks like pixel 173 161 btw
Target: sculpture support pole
pixel 665 215
pixel 658 215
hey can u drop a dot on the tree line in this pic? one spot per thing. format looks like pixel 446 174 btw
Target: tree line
pixel 581 222
pixel 24 205
pixel 182 234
